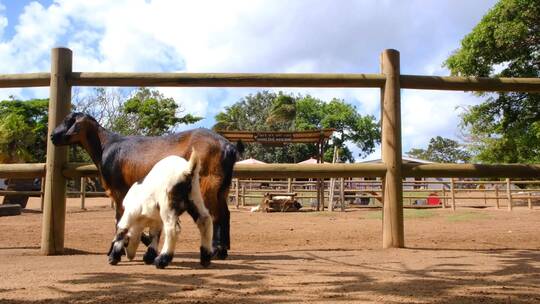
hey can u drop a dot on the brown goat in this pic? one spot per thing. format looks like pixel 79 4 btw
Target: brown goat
pixel 124 160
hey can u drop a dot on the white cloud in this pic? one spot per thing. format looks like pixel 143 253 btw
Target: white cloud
pixel 308 36
pixel 426 114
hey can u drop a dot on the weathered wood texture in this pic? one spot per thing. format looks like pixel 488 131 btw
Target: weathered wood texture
pixel 275 80
pixel 471 170
pixel 228 80
pixel 393 235
pixel 76 170
pixel 470 83
pixel 54 210
pixel 22 170
pixel 25 80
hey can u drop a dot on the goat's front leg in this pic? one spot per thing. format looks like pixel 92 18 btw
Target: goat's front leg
pixel 169 218
pixel 134 238
pixel 117 247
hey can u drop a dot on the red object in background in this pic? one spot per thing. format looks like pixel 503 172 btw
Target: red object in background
pixel 433 199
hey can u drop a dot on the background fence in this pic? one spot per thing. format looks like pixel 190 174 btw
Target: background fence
pixel 368 193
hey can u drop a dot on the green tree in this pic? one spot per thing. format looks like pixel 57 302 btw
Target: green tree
pixel 23 130
pixel 442 150
pixel 267 111
pixel 150 113
pixel 506 43
pixel 146 112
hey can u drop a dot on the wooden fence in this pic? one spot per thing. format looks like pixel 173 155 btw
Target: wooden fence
pixel 447 192
pixel 61 79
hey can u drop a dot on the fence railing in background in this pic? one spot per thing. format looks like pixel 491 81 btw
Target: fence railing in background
pixel 354 189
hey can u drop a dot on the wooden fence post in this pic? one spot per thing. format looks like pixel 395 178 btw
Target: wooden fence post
pixel 393 235
pixel 509 194
pixel 497 197
pixel 453 193
pixel 342 193
pixel 331 194
pixel 42 195
pixel 318 187
pixel 529 200
pixel 243 195
pixel 289 185
pixel 54 209
pixel 443 201
pixel 237 194
pixel 83 192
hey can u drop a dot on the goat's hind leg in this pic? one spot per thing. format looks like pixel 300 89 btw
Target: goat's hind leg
pixel 204 222
pixel 169 218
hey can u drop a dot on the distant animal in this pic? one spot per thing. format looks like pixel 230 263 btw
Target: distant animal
pixel 124 160
pixel 169 189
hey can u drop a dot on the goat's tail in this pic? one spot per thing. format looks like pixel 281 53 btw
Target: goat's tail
pixel 193 163
pixel 231 153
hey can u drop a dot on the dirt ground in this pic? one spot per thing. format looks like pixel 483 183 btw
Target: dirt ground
pixel 467 256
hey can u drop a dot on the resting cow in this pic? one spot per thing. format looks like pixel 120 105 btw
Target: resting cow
pixel 124 160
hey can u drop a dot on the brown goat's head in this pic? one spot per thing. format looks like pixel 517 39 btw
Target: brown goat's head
pixel 73 129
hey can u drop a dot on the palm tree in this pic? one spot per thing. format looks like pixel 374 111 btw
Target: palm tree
pixel 229 119
pixel 283 110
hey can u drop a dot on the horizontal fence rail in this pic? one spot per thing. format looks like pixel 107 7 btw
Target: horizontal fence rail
pixel 22 170
pixel 73 170
pixel 25 80
pixel 228 80
pixel 275 80
pixel 471 170
pixel 470 83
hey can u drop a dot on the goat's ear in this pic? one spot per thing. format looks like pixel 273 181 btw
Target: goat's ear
pixel 74 130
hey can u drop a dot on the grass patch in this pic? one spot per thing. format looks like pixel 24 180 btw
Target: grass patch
pixel 466 216
pixel 407 213
pixel 373 215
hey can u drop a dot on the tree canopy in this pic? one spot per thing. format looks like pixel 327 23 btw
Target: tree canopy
pixel 506 43
pixel 266 111
pixel 23 129
pixel 442 150
pixel 147 112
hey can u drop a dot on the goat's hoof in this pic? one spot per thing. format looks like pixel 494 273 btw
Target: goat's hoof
pixel 163 260
pixel 115 254
pixel 113 261
pixel 146 239
pixel 150 256
pixel 220 253
pixel 115 257
pixel 206 257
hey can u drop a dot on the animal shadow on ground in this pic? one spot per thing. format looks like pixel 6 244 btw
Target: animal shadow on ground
pixel 512 282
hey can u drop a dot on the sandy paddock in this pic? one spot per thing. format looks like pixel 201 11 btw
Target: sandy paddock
pixel 468 256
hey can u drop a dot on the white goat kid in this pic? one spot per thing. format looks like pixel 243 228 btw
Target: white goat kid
pixel 169 189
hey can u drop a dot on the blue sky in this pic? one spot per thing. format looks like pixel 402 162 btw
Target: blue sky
pixel 251 36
